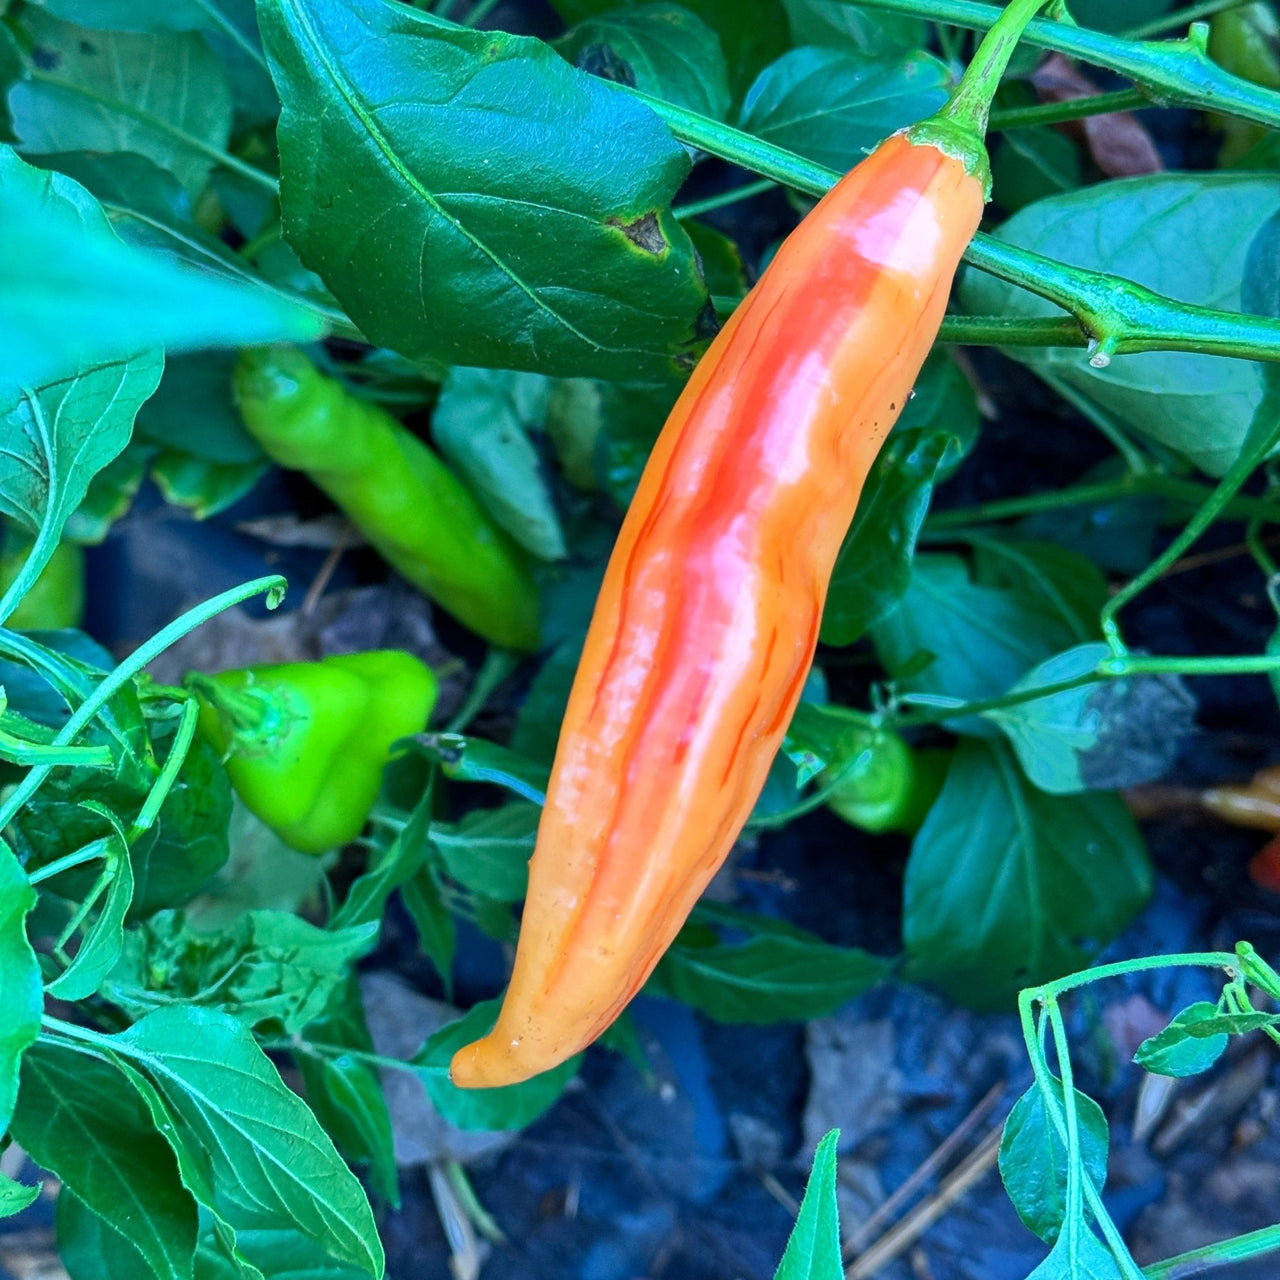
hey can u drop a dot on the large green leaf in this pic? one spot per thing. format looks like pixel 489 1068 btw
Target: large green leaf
pixel 79 1118
pixel 488 850
pixel 1007 886
pixel 959 638
pixel 1152 230
pixel 662 49
pixel 20 994
pixel 813 1248
pixel 834 107
pixel 162 95
pixel 460 193
pixel 750 34
pixel 248 1148
pixel 844 25
pixel 73 296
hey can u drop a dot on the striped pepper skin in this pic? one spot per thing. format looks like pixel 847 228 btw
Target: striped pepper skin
pixel 708 617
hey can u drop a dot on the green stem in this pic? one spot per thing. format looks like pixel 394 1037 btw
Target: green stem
pixel 1241 507
pixel 1251 1245
pixel 89 853
pixel 1136 460
pixel 498 664
pixel 180 135
pixel 234 34
pixel 941 714
pixel 1181 17
pixel 1251 457
pixel 274 587
pixel 1118 968
pixel 1120 668
pixel 970 105
pixel 159 792
pixel 21 751
pixel 708 204
pixel 1099 104
pixel 1179 72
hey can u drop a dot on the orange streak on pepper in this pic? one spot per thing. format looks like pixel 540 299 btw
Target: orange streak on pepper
pixel 708 617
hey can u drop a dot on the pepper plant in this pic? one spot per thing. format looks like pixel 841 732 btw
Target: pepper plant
pixel 493 260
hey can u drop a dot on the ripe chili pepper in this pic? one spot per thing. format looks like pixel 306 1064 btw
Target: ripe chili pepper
pixel 889 786
pixel 305 743
pixel 409 505
pixel 1255 803
pixel 708 616
pixel 56 598
pixel 1264 866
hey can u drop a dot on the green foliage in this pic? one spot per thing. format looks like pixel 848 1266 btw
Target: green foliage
pixel 813 1250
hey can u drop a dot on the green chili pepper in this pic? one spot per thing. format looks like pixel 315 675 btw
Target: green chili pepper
pixel 305 743
pixel 418 515
pixel 1246 42
pixel 890 786
pixel 56 598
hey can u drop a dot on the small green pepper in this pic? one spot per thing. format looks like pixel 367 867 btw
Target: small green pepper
pixel 409 505
pixel 1246 42
pixel 305 743
pixel 56 598
pixel 890 786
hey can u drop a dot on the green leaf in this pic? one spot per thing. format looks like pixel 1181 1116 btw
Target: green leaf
pixel 90 1248
pixel 488 851
pixel 477 760
pixel 481 424
pixel 1030 164
pixel 346 1092
pixel 1007 886
pixel 510 1107
pixel 517 239
pixel 78 1118
pixel 192 411
pixel 58 436
pixel 1078 1255
pixel 267 967
pixel 959 638
pixel 772 977
pixel 1106 735
pixel 20 995
pixel 813 1248
pixel 104 942
pixel 247 1146
pixel 229 27
pixel 15 1197
pixel 662 49
pixel 1190 1044
pixel 279 1254
pixel 1033 1158
pixel 935 431
pixel 162 95
pixel 1140 228
pixel 11 68
pixel 538 720
pixel 834 107
pixel 74 296
pixel 750 35
pixel 843 25
pixel 437 931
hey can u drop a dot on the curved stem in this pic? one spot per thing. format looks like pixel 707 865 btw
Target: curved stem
pixel 708 204
pixel 1099 104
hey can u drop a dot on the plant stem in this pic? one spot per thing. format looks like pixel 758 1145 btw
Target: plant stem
pixel 1251 1245
pixel 708 204
pixel 89 853
pixel 188 140
pixel 1255 450
pixel 1172 21
pixel 1241 507
pixel 1172 71
pixel 940 714
pixel 1099 104
pixel 177 756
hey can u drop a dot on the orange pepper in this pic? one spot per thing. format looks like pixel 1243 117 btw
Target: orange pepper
pixel 708 616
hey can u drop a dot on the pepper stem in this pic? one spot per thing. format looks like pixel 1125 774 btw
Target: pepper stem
pixel 245 713
pixel 960 128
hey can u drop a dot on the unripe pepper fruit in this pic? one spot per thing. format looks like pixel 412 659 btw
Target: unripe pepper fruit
pixel 305 743
pixel 414 511
pixel 708 616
